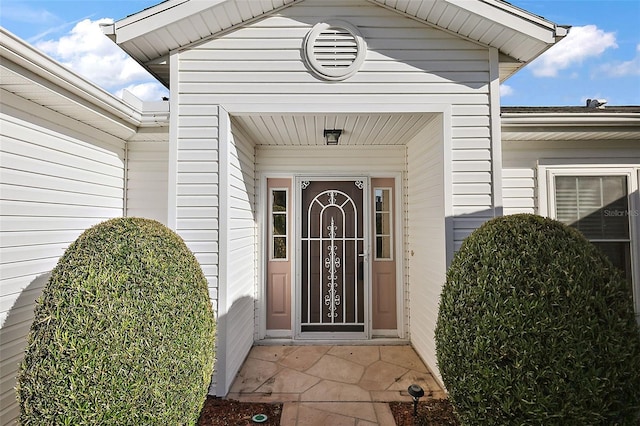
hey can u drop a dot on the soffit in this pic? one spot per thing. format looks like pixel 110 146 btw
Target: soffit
pixel 149 36
pixel 308 129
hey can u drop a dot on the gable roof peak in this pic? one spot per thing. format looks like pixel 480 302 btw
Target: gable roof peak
pixel 151 34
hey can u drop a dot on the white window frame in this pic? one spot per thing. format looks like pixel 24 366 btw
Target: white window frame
pixel 270 225
pixel 546 203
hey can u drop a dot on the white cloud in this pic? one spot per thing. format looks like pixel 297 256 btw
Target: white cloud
pixel 506 90
pixel 581 43
pixel 623 69
pixel 87 51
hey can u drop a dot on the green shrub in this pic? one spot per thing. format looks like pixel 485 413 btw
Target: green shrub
pixel 123 333
pixel 537 327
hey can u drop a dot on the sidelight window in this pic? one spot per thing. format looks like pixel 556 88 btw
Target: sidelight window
pixel 279 224
pixel 383 224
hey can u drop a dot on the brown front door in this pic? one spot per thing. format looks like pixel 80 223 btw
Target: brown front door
pixel 333 257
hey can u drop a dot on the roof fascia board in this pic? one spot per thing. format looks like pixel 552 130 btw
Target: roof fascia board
pixel 31 59
pixel 543 122
pixel 158 17
pixel 167 13
pixel 513 18
pixel 570 122
pixel 152 10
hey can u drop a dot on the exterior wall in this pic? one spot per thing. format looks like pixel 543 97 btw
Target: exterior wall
pixel 193 184
pixel 521 183
pixel 427 199
pixel 147 179
pixel 238 245
pixel 59 177
pixel 335 159
pixel 410 66
pixel 520 164
pixel 258 69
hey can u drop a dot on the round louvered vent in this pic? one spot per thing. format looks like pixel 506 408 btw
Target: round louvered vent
pixel 334 50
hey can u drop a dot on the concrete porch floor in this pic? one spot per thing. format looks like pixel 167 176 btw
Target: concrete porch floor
pixel 332 385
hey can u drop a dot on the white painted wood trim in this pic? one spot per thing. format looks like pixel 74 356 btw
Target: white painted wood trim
pixel 496 131
pixel 337 108
pixel 174 105
pixel 263 244
pixel 222 328
pixel 401 326
pixel 263 247
pixel 448 183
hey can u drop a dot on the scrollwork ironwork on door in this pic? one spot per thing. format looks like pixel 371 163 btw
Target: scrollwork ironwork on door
pixel 332 264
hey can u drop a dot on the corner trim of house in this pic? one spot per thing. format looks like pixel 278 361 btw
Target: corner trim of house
pixel 223 239
pixel 447 159
pixel 495 128
pixel 174 107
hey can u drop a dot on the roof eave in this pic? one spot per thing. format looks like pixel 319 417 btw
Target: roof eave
pixel 542 33
pixel 27 57
pixel 541 122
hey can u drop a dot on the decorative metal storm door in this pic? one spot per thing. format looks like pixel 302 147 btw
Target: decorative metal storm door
pixel 332 257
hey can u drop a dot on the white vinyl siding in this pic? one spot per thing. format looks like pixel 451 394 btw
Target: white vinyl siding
pixel 338 159
pixel 520 161
pixel 426 236
pixel 59 177
pixel 258 69
pixel 214 214
pixel 193 187
pixel 239 243
pixel 147 179
pixel 193 172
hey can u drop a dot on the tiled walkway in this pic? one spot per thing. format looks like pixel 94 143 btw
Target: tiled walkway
pixel 332 385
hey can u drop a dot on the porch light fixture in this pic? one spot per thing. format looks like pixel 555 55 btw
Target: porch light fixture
pixel 332 136
pixel 416 393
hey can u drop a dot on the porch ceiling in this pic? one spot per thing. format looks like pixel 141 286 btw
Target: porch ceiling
pixel 308 129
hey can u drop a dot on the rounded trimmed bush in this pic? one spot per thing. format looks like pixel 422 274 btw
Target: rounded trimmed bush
pixel 536 326
pixel 123 333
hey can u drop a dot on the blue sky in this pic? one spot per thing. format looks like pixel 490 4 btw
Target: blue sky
pixel 599 59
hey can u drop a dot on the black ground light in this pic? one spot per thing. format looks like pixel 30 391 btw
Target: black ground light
pixel 416 393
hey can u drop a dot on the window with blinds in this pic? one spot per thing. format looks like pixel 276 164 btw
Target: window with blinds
pixel 598 206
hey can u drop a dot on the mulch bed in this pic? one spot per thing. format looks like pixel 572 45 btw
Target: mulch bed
pixel 226 412
pixel 431 412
